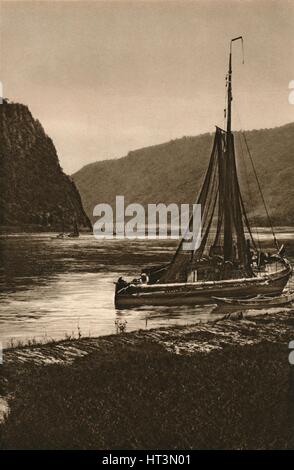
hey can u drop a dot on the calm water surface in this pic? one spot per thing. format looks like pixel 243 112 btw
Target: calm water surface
pixel 51 287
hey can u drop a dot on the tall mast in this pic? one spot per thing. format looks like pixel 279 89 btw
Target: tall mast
pixel 229 110
pixel 232 210
pixel 229 98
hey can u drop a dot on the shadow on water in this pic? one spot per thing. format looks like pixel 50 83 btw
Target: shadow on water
pixel 52 287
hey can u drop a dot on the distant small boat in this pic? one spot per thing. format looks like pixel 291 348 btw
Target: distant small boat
pixel 75 233
pixel 258 301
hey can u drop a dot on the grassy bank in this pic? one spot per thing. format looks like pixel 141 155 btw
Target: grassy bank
pixel 221 385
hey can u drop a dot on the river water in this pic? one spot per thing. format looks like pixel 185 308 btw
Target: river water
pixel 51 288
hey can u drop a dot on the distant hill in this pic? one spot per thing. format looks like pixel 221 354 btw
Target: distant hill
pixel 174 171
pixel 35 194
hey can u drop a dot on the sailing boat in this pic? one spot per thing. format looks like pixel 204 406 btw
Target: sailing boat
pixel 75 233
pixel 227 263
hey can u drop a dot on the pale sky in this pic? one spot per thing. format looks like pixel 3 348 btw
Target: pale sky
pixel 108 77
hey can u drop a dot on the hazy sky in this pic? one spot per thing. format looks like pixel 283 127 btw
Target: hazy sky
pixel 108 77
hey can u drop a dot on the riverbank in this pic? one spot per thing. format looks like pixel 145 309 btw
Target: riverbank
pixel 37 229
pixel 223 384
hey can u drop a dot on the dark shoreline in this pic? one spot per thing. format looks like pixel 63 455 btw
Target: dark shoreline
pixel 35 229
pixel 219 385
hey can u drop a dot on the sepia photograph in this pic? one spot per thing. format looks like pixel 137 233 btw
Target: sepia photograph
pixel 146 227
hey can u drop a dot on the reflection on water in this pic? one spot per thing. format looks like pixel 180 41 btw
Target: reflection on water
pixel 51 287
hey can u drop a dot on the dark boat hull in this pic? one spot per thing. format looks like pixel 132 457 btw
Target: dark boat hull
pixel 203 292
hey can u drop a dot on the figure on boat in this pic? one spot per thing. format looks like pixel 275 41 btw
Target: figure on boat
pixel 228 261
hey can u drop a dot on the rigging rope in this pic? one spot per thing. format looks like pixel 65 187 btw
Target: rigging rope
pixel 258 183
pixel 260 190
pixel 249 190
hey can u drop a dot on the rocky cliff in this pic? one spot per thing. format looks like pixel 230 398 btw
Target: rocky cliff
pixel 35 194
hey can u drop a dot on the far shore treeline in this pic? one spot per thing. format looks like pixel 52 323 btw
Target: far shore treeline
pixel 173 172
